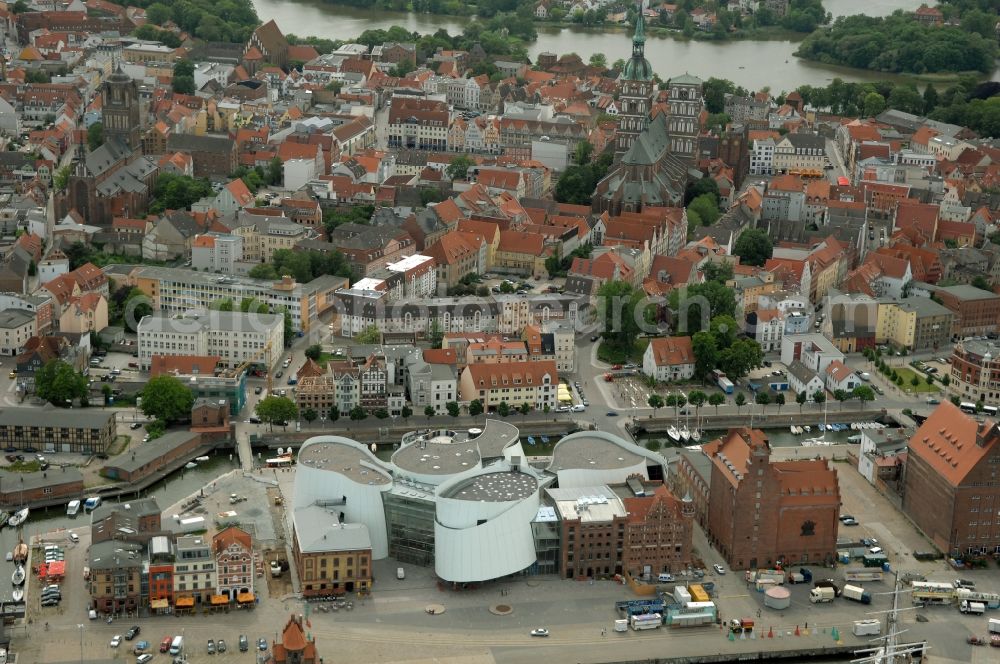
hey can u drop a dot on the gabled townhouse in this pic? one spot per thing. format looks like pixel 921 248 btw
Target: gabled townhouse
pixel 234 563
pixel 669 359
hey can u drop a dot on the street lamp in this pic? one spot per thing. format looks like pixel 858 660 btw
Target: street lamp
pixel 80 627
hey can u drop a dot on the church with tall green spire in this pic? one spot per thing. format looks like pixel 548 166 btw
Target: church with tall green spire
pixel 635 90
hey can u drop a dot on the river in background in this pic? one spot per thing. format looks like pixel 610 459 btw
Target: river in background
pixel 752 64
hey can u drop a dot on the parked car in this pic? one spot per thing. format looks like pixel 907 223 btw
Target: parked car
pixel 262 644
pixel 593 337
pixel 220 645
pixel 719 569
pixel 539 631
pixel 116 640
pixel 244 643
pixel 850 522
pixel 143 658
pixel 132 632
pixel 135 425
pixel 141 647
pixel 211 647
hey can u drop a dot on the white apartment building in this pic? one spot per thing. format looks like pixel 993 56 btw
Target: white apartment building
pixel 194 568
pixel 232 336
pixel 217 252
pixel 762 157
pixel 16 327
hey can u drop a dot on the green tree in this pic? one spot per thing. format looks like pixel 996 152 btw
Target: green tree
pixel 740 401
pixel 20 7
pixel 310 415
pixel 618 302
pixel 369 335
pixel 225 304
pixel 754 247
pixel 706 206
pixel 503 409
pixel 801 399
pixel 874 104
pixel 475 407
pixel 274 410
pixel 979 281
pixel 762 398
pixel 177 192
pixel 863 393
pixel 314 352
pixel 95 136
pixel 819 396
pixel 946 380
pixel 740 358
pixel 167 398
pixel 779 400
pixel 334 414
pixel 930 98
pixel 275 172
pixel 406 413
pixel 689 305
pixel 453 408
pixel 59 384
pixel 724 328
pixel 697 398
pixel 655 402
pixel 429 412
pixel 358 414
pixel 458 168
pixel 841 396
pixel 435 334
pixel 61 178
pixel 716 399
pixel 599 60
pixel 955 399
pixel 381 413
pixel 706 354
pixel 158 13
pixel 525 408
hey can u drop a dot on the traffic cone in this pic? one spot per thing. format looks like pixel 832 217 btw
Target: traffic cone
pixel 797 631
pixel 770 632
pixel 835 634
pixel 731 637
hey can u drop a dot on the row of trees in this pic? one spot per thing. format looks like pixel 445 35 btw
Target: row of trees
pixel 697 398
pixel 303 265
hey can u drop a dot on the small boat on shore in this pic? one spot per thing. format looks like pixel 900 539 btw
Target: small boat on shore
pixel 73 508
pixel 20 553
pixel 17 578
pixel 545 440
pixel 4 516
pixel 807 428
pixel 18 517
pixel 201 459
pixel 190 464
pixel 531 440
pixel 17 595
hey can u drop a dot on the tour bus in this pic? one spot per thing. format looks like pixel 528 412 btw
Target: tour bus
pixel 968 407
pixel 990 410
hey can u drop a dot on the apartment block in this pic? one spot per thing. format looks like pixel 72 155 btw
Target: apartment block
pixel 234 337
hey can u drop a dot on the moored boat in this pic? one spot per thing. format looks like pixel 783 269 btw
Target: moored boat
pixel 4 516
pixel 18 517
pixel 201 459
pixel 674 434
pixel 190 464
pixel 17 594
pixel 17 578
pixel 20 553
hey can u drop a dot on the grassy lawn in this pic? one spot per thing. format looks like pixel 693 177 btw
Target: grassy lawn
pixel 32 466
pixel 612 354
pixel 907 376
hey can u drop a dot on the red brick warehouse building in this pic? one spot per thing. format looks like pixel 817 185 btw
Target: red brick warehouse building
pixel 761 512
pixel 950 483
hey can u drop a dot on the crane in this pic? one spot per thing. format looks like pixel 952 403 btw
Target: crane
pixel 264 353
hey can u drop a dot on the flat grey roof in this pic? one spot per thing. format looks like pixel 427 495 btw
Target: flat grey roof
pixel 114 553
pixel 73 418
pixel 144 453
pixel 13 482
pixel 499 487
pixel 224 321
pixel 319 529
pixel 11 318
pixel 437 458
pixel 967 292
pixel 344 459
pixel 495 437
pixel 589 451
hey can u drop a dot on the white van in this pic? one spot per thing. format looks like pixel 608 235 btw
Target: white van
pixel 579 408
pixel 177 645
pixel 400 573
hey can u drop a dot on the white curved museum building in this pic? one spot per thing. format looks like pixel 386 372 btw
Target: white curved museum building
pixel 462 502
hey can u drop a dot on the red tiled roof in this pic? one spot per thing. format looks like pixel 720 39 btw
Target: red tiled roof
pixel 949 442
pixel 183 365
pixel 671 351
